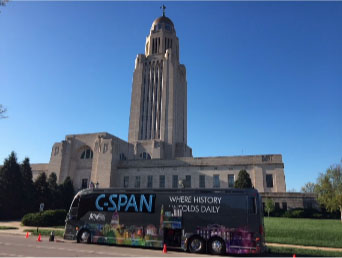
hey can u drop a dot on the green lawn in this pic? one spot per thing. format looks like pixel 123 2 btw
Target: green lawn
pixel 314 232
pixel 6 227
pixel 45 232
pixel 285 252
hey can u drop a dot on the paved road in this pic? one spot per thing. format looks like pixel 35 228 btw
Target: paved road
pixel 18 245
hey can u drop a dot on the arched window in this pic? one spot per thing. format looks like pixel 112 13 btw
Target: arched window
pixel 145 155
pixel 87 154
pixel 122 156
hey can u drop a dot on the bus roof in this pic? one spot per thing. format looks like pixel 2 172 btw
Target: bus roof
pixel 169 190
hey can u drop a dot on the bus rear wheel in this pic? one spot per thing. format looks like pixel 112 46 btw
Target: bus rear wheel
pixel 84 236
pixel 217 246
pixel 196 245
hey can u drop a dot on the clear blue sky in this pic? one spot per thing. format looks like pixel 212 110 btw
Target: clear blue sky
pixel 263 77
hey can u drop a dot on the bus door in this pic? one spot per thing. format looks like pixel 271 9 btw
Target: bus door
pixel 71 219
pixel 254 219
pixel 74 209
pixel 172 225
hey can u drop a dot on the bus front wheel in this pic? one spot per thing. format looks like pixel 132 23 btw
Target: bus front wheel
pixel 84 236
pixel 196 245
pixel 217 246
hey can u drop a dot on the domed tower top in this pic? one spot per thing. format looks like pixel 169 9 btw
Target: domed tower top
pixel 162 37
pixel 162 22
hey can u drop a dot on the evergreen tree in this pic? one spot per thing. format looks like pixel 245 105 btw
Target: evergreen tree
pixel 42 192
pixel 67 193
pixel 55 198
pixel 28 188
pixel 52 181
pixel 243 181
pixel 10 189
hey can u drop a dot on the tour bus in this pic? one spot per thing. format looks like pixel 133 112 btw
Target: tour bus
pixel 208 220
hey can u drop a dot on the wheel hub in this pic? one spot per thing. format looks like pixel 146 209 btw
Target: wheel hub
pixel 85 236
pixel 196 245
pixel 216 246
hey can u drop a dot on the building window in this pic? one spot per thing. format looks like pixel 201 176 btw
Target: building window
pixel 126 181
pixel 308 204
pixel 145 155
pixel 56 151
pixel 269 180
pixel 87 154
pixel 149 181
pixel 174 181
pixel 122 156
pixel 284 206
pixel 187 183
pixel 105 147
pixel 84 183
pixel 216 181
pixel 231 180
pixel 161 181
pixel 137 182
pixel 202 181
pixel 277 206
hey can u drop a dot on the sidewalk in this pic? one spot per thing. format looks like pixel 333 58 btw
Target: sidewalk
pixel 21 229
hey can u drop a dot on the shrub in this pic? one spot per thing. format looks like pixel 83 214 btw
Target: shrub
pixel 48 218
pixel 297 214
pixel 317 215
pixel 305 213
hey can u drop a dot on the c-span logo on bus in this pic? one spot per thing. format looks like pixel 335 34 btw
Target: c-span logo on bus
pixel 126 202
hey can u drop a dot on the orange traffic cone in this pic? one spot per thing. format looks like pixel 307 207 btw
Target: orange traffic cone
pixel 164 249
pixel 27 235
pixel 294 255
pixel 39 238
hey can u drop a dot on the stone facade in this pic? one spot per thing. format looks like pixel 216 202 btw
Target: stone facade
pixel 215 172
pixel 290 200
pixel 88 158
pixel 108 160
pixel 156 154
pixel 158 117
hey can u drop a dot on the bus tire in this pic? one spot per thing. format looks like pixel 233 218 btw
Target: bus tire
pixel 216 246
pixel 83 236
pixel 196 245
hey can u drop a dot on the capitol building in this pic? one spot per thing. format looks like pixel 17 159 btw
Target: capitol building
pixel 157 154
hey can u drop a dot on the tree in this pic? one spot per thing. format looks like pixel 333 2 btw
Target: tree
pixel 67 193
pixel 329 189
pixel 10 189
pixel 3 111
pixel 309 187
pixel 52 181
pixel 28 188
pixel 55 196
pixel 269 206
pixel 3 2
pixel 42 191
pixel 244 180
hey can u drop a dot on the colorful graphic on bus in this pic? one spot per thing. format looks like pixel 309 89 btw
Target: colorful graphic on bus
pixel 229 221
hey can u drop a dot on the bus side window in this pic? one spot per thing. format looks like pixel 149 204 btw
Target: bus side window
pixel 251 205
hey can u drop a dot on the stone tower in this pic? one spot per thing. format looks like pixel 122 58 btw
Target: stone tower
pixel 158 116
